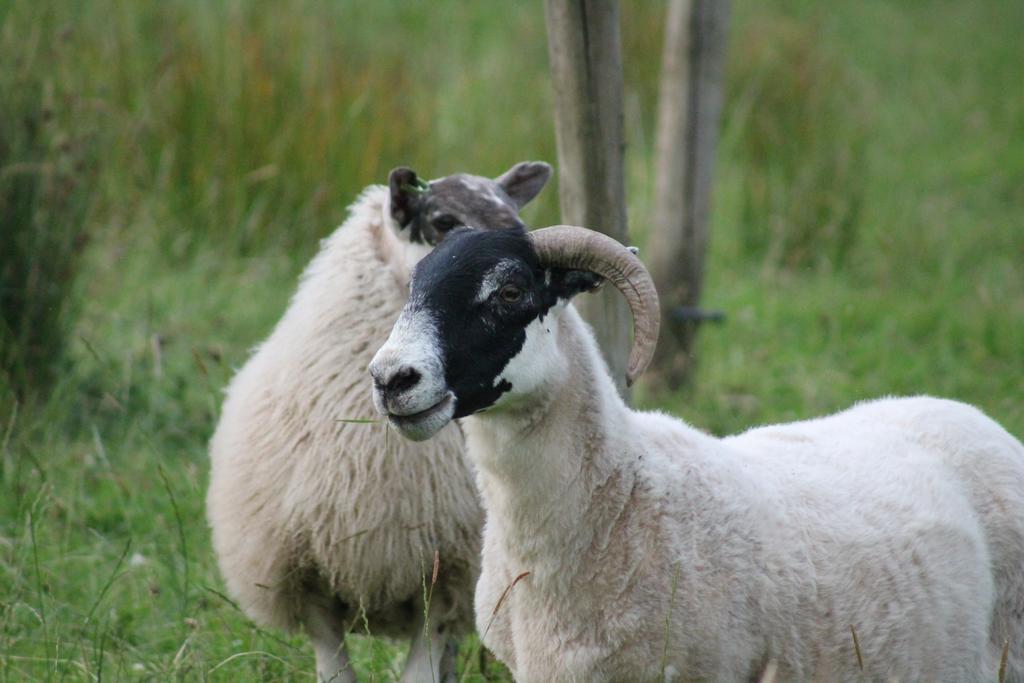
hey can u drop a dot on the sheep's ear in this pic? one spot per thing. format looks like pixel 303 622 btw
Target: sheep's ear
pixel 406 190
pixel 524 181
pixel 565 284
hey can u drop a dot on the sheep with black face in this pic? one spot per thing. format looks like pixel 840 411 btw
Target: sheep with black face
pixel 623 545
pixel 318 519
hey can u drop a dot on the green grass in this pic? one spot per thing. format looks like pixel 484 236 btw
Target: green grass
pixel 235 134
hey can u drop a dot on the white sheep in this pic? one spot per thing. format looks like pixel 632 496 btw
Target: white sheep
pixel 629 546
pixel 318 520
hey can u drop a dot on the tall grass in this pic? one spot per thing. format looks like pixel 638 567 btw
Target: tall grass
pixel 48 153
pixel 248 125
pixel 798 124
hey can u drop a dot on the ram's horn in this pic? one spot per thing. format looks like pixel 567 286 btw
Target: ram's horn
pixel 567 246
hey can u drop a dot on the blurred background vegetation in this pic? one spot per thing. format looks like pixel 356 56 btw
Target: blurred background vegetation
pixel 166 170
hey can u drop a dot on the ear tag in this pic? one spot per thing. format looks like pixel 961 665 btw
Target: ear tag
pixel 420 187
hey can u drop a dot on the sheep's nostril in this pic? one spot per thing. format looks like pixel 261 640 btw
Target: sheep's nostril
pixel 403 380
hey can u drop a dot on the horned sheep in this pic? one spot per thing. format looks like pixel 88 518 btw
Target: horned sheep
pixel 318 520
pixel 623 545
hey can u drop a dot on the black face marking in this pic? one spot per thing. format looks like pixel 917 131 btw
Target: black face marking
pixel 431 211
pixel 466 286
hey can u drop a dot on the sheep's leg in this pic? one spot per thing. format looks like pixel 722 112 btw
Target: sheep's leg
pixel 327 632
pixel 432 654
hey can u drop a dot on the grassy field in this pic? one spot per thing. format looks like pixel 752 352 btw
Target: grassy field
pixel 868 239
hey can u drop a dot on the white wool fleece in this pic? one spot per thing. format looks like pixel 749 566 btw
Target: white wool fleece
pixel 306 506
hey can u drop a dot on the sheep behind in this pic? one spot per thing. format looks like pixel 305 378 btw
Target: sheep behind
pixel 319 519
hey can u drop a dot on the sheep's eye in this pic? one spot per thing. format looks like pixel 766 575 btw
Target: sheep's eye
pixel 445 223
pixel 510 294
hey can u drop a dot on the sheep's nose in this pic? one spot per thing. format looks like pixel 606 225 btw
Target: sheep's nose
pixel 403 379
pixel 395 380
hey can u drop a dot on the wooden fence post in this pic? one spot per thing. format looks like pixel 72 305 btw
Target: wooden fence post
pixel 690 104
pixel 586 73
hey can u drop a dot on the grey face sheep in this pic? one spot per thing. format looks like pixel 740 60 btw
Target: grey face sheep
pixel 318 519
pixel 628 546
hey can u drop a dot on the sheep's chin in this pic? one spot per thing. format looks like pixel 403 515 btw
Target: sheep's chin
pixel 425 424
